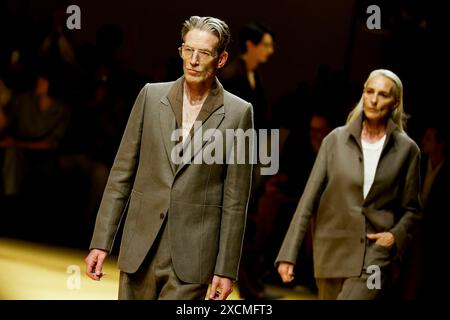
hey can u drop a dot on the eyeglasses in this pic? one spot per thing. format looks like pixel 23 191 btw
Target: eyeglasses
pixel 187 52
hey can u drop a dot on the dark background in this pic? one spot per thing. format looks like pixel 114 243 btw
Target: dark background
pixel 323 53
pixel 309 33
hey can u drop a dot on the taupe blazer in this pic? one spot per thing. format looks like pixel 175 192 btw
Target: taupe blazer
pixel 204 204
pixel 334 194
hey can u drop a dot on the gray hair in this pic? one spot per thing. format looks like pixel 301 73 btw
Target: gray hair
pixel 213 25
pixel 398 115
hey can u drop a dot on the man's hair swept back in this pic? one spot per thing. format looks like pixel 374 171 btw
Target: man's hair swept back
pixel 214 25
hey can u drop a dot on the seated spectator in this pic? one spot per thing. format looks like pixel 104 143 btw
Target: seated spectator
pixel 36 126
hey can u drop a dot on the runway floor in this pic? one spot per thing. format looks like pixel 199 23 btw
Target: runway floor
pixel 36 271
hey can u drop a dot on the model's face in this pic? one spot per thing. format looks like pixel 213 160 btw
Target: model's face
pixel 200 58
pixel 378 98
pixel 263 50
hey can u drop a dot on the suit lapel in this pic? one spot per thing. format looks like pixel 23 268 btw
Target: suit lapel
pixel 175 98
pixel 354 129
pixel 389 145
pixel 210 117
pixel 170 117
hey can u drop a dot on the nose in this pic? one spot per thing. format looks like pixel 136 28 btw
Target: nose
pixel 374 99
pixel 194 58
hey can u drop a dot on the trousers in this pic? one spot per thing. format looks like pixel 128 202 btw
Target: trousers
pixel 156 278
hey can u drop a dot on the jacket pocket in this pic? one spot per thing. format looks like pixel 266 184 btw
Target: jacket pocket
pixel 132 217
pixel 378 255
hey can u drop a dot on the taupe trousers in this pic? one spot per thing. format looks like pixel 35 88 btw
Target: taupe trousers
pixel 360 288
pixel 156 278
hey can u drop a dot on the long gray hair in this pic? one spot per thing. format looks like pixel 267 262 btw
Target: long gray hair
pixel 397 115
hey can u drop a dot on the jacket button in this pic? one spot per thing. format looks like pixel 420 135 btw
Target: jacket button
pixel 161 216
pixel 361 240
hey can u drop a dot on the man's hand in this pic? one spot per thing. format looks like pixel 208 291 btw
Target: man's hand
pixel 384 239
pixel 221 288
pixel 94 264
pixel 286 271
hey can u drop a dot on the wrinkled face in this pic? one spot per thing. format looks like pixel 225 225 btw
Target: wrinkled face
pixel 263 50
pixel 318 130
pixel 200 58
pixel 378 98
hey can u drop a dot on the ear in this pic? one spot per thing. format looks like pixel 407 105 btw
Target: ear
pixel 249 45
pixel 222 59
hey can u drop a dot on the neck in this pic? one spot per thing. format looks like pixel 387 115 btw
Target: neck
pixel 250 62
pixel 196 92
pixel 373 131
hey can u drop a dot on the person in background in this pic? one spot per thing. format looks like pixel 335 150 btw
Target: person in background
pixel 282 193
pixel 36 125
pixel 242 76
pixel 421 260
pixel 435 194
pixel 5 99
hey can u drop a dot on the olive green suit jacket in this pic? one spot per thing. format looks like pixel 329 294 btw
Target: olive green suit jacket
pixel 204 204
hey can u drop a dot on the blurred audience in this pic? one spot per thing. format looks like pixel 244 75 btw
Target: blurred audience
pixel 34 129
pixel 281 196
pixel 416 278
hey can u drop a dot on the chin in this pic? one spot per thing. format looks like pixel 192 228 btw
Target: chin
pixel 371 114
pixel 191 78
pixel 372 117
